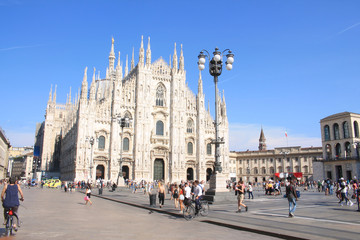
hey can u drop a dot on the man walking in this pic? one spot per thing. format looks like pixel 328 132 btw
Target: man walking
pixel 292 198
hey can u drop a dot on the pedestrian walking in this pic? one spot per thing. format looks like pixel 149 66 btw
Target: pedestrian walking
pixel 176 195
pixel 161 194
pixel 292 198
pixel 182 197
pixel 240 192
pixel 87 195
pixel 250 191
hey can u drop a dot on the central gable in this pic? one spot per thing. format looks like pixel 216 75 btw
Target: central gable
pixel 160 68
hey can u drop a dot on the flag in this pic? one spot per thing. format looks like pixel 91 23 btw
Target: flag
pixel 285 134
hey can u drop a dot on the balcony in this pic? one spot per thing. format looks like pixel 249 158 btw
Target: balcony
pixel 342 159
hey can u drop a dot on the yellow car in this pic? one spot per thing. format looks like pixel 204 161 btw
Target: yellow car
pixel 55 183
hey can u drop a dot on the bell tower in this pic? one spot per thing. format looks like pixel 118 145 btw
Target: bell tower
pixel 262 141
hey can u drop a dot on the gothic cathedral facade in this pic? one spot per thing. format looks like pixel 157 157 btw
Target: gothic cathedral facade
pixel 169 138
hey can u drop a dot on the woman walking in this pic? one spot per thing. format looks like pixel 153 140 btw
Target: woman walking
pixel 161 194
pixel 182 197
pixel 240 188
pixel 176 195
pixel 87 195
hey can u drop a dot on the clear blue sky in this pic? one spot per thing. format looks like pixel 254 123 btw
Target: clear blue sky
pixel 295 61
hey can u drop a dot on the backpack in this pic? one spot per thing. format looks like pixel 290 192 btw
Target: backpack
pixel 176 193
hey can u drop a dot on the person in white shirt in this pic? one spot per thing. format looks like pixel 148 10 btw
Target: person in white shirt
pixel 198 195
pixel 187 194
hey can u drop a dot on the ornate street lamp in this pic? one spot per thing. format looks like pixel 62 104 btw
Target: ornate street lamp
pixel 215 69
pixel 123 122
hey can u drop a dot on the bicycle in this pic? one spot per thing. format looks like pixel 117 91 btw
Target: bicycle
pixel 10 215
pixel 190 213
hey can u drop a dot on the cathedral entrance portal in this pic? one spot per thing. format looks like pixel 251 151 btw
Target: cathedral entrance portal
pixel 158 169
pixel 100 171
pixel 190 174
pixel 209 172
pixel 125 172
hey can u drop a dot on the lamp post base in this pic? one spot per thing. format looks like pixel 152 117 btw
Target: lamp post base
pixel 218 182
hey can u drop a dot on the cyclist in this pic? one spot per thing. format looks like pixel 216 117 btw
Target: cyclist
pixel 11 199
pixel 198 195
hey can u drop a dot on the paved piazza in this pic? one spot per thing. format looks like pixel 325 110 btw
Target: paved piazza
pixel 53 214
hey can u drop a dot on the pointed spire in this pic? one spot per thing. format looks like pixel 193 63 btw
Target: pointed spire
pixel 175 64
pixel 112 56
pixel 200 85
pixel 54 99
pixel 92 86
pixel 181 63
pixel 50 94
pixel 223 97
pixel 170 61
pixel 208 106
pixel 69 97
pixel 84 86
pixel 98 78
pixel 141 53
pixel 126 66
pixel 148 54
pixel 119 70
pixel 262 141
pixel 107 73
pixel 132 61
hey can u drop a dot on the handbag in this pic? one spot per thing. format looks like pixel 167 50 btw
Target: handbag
pixel 86 198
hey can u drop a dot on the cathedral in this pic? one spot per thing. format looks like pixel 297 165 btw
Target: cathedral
pixel 168 138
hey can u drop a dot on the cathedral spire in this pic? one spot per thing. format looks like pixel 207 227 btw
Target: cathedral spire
pixel 200 85
pixel 175 64
pixel 107 73
pixel 119 69
pixel 50 94
pixel 141 53
pixel 112 56
pixel 132 61
pixel 262 141
pixel 181 60
pixel 126 66
pixel 69 97
pixel 170 61
pixel 84 86
pixel 208 106
pixel 54 99
pixel 92 86
pixel 148 54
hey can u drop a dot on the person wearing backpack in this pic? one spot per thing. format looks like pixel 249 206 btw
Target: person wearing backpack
pixel 175 195
pixel 292 197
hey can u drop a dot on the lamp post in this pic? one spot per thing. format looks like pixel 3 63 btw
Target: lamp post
pixel 215 70
pixel 123 122
pixel 91 141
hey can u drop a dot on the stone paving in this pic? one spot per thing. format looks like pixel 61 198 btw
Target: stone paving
pixel 53 214
pixel 317 216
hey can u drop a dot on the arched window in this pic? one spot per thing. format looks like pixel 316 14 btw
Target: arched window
pixel 240 171
pixel 327 133
pixel 272 170
pixel 280 169
pixel 338 150
pixel 101 142
pixel 126 144
pixel 263 170
pixel 190 126
pixel 336 131
pixel 160 128
pixel 306 169
pixel 160 95
pixel 297 169
pixel 256 171
pixel 208 149
pixel 356 129
pixel 190 148
pixel 347 149
pixel 346 129
pixel 328 152
pixel 288 169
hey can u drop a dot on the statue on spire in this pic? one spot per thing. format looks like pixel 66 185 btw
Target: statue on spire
pixel 50 94
pixel 141 53
pixel 112 56
pixel 132 61
pixel 175 64
pixel 126 66
pixel 181 63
